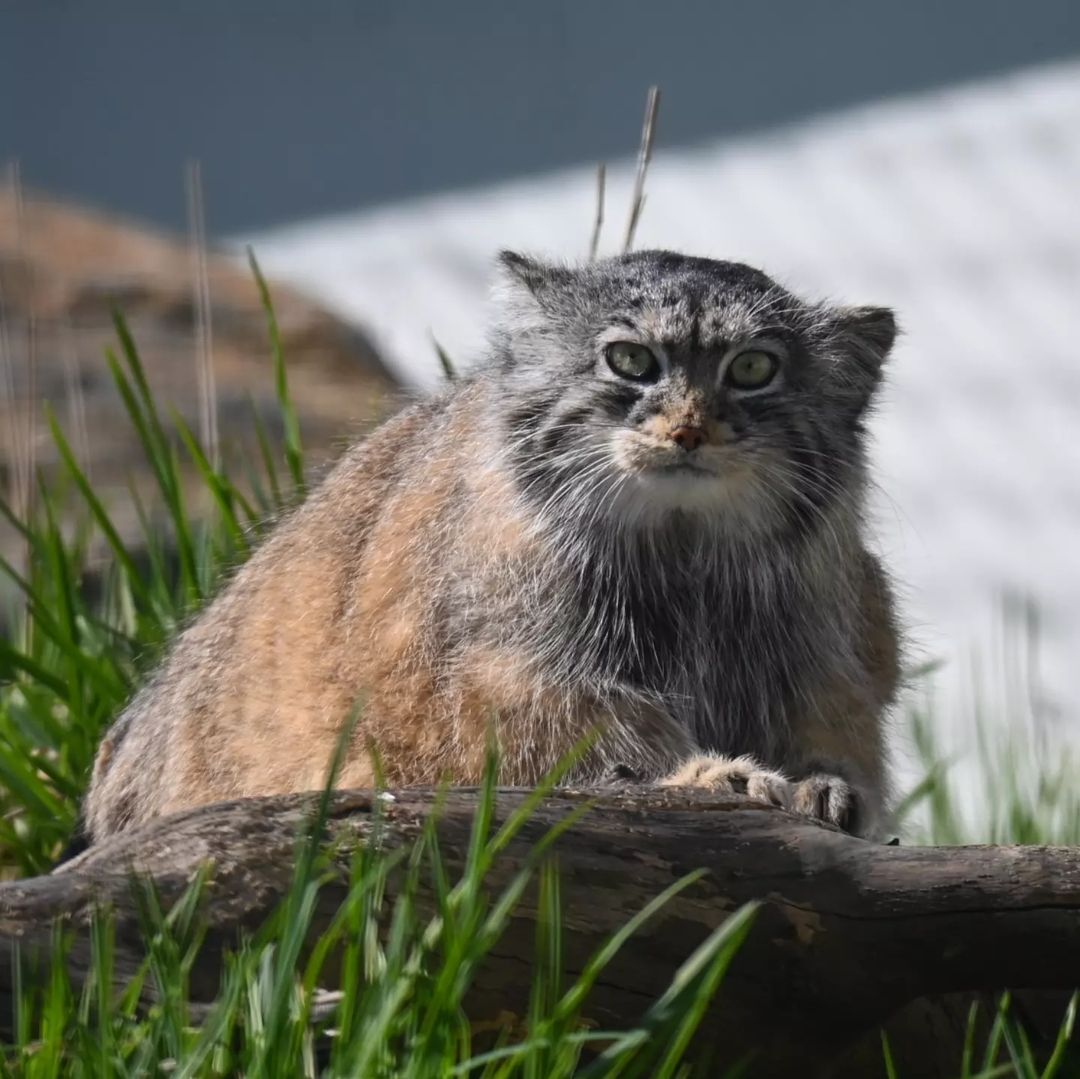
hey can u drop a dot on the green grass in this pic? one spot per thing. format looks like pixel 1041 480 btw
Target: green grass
pixel 72 660
pixel 407 975
pixel 1001 770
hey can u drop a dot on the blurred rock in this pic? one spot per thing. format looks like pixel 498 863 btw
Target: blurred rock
pixel 62 272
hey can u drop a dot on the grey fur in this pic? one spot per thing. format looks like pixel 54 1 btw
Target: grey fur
pixel 730 601
pixel 726 622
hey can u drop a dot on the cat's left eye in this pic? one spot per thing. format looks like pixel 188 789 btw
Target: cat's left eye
pixel 631 360
pixel 753 369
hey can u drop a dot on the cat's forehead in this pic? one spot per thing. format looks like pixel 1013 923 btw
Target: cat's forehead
pixel 669 296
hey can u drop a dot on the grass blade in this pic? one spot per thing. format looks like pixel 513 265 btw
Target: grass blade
pixel 294 453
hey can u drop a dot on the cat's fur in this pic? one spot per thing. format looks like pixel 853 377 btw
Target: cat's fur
pixel 531 549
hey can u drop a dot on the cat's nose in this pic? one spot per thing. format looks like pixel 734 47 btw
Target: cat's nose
pixel 689 438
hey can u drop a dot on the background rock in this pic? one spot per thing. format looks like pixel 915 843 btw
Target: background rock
pixel 62 272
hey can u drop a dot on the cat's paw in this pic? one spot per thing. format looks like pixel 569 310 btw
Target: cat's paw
pixel 828 798
pixel 732 775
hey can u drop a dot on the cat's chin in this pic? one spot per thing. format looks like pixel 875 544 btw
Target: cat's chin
pixel 682 484
pixel 686 487
pixel 728 499
pixel 684 472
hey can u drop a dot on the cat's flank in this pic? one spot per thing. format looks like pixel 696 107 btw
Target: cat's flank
pixel 642 517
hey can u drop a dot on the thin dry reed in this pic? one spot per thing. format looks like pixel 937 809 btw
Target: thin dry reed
pixel 74 397
pixel 648 132
pixel 21 406
pixel 598 224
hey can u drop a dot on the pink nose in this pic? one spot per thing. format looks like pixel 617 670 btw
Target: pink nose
pixel 689 438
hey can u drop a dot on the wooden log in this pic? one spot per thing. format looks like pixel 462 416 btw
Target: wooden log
pixel 850 932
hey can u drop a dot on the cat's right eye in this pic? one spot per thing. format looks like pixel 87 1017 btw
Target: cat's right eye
pixel 631 360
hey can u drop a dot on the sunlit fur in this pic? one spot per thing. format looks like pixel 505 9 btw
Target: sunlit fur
pixel 532 550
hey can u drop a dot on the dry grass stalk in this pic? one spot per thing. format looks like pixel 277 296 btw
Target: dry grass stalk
pixel 648 131
pixel 23 434
pixel 75 398
pixel 601 182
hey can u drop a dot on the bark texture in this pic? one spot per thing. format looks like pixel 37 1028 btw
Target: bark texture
pixel 852 934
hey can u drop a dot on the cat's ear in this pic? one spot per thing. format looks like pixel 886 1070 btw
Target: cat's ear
pixel 539 278
pixel 871 331
pixel 864 336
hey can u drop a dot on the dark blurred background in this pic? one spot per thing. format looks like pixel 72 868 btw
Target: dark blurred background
pixel 297 109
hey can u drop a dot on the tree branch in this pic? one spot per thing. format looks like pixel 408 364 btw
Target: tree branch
pixel 851 931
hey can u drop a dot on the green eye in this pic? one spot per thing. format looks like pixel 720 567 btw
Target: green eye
pixel 630 360
pixel 753 369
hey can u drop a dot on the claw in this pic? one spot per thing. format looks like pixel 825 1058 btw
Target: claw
pixel 732 775
pixel 828 798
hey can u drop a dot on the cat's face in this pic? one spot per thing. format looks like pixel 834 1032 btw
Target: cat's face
pixel 655 382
